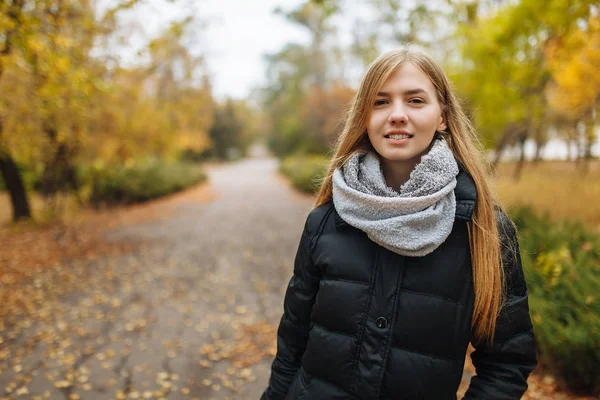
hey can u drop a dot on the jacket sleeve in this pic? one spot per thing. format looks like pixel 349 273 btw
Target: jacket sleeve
pixel 503 367
pixel 292 334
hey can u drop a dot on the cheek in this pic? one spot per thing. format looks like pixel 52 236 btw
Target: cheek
pixel 428 120
pixel 375 121
pixel 370 126
pixel 371 134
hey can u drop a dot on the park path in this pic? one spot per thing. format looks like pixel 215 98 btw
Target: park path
pixel 191 314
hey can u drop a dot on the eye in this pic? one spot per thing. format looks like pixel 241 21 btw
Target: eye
pixel 380 102
pixel 417 101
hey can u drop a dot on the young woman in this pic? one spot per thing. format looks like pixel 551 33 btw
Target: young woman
pixel 406 258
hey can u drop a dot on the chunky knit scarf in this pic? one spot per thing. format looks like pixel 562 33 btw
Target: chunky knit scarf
pixel 411 221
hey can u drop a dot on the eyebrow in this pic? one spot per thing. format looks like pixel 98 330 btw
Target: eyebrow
pixel 406 92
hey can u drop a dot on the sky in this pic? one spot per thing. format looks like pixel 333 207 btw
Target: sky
pixel 242 34
pixel 238 34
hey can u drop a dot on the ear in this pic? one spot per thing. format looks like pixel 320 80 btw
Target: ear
pixel 442 126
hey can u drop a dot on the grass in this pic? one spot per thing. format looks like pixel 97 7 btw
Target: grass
pixel 556 187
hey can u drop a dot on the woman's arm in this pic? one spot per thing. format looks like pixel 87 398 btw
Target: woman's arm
pixel 502 368
pixel 292 334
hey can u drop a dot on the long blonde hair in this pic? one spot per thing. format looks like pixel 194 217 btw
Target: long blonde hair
pixel 464 142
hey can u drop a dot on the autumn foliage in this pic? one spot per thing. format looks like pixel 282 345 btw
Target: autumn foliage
pixel 68 106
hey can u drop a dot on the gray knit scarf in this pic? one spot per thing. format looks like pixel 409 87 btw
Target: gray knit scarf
pixel 411 221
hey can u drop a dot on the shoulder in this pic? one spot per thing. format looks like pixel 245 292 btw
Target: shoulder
pixel 506 227
pixel 316 217
pixel 511 257
pixel 466 196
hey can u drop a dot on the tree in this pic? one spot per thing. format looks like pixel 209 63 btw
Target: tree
pixel 68 108
pixel 504 71
pixel 49 81
pixel 226 130
pixel 59 61
pixel 11 21
pixel 161 108
pixel 294 72
pixel 575 92
pixel 327 107
pixel 315 16
pixel 181 86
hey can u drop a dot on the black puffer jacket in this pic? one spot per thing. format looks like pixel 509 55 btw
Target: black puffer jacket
pixel 361 322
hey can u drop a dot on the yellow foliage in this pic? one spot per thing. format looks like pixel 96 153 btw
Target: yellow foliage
pixel 552 264
pixel 574 63
pixel 523 54
pixel 62 65
pixel 54 94
pixel 197 142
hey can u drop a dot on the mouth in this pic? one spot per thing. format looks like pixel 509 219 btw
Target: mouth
pixel 399 136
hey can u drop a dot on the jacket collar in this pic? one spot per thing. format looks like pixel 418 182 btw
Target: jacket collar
pixel 466 195
pixel 465 192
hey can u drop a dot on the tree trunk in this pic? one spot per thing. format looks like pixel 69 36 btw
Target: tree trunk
pixel 15 186
pixel 571 143
pixel 539 146
pixel 59 174
pixel 501 146
pixel 521 161
pixel 589 139
pixel 539 133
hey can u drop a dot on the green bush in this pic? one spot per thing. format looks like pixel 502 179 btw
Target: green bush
pixel 140 182
pixel 305 172
pixel 561 261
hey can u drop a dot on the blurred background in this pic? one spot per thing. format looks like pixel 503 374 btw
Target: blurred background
pixel 110 108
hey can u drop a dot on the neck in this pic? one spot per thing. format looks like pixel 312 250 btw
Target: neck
pixel 396 173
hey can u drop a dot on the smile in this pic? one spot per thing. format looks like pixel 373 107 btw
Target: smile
pixel 398 136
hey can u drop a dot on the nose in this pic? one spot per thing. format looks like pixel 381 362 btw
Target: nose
pixel 397 113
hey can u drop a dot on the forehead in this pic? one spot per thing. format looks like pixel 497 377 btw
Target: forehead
pixel 408 77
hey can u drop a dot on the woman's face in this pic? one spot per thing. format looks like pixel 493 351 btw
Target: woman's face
pixel 405 116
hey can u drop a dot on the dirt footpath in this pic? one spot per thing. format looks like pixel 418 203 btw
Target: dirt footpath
pixel 189 315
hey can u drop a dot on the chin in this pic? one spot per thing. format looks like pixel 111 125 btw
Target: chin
pixel 399 157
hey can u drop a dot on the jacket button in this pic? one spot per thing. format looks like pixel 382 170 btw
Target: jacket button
pixel 381 322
